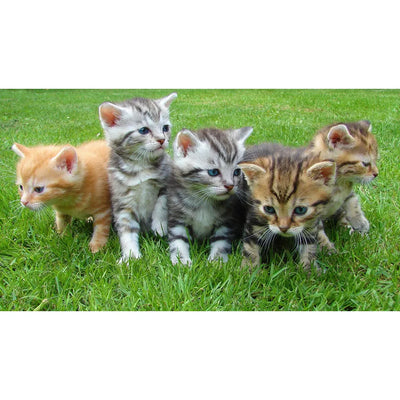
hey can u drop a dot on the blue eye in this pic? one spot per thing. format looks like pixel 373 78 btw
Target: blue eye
pixel 144 130
pixel 165 128
pixel 39 189
pixel 236 172
pixel 300 210
pixel 269 210
pixel 213 172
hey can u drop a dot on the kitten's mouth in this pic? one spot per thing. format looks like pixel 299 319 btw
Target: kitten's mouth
pixel 33 207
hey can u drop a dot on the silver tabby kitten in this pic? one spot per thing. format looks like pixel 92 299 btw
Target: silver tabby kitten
pixel 201 191
pixel 138 131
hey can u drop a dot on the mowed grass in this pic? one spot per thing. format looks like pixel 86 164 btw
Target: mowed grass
pixel 42 271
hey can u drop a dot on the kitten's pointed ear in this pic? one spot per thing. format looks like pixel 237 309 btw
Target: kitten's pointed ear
pixel 185 140
pixel 20 150
pixel 323 171
pixel 242 134
pixel 166 101
pixel 339 136
pixel 251 171
pixel 109 114
pixel 66 159
pixel 366 124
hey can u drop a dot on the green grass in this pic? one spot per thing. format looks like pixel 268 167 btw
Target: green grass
pixel 42 271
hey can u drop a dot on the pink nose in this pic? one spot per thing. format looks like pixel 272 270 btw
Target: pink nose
pixel 24 202
pixel 228 187
pixel 161 141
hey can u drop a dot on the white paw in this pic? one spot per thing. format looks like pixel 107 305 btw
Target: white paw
pixel 218 257
pixel 159 227
pixel 181 260
pixel 126 257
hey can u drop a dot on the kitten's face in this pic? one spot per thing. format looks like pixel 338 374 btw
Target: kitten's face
pixel 45 174
pixel 208 160
pixel 139 127
pixel 289 201
pixel 355 150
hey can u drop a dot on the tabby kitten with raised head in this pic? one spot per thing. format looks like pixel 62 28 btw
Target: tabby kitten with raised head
pixel 202 191
pixel 288 193
pixel 138 132
pixel 354 149
pixel 72 180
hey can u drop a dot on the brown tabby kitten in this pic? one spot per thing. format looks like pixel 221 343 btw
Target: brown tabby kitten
pixel 73 181
pixel 287 195
pixel 354 149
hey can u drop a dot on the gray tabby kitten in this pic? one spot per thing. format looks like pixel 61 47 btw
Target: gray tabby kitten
pixel 138 131
pixel 201 191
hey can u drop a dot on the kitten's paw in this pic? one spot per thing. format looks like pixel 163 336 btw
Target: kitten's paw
pixel 95 246
pixel 181 260
pixel 361 227
pixel 218 257
pixel 126 257
pixel 159 228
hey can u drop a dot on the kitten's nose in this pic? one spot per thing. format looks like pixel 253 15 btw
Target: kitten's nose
pixel 24 202
pixel 161 141
pixel 284 229
pixel 228 187
pixel 375 174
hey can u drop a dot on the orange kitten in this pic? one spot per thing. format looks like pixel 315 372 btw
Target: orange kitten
pixel 74 181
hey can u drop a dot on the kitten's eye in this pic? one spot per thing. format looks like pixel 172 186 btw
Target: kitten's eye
pixel 269 210
pixel 366 164
pixel 165 128
pixel 236 172
pixel 144 130
pixel 300 210
pixel 213 172
pixel 21 188
pixel 39 189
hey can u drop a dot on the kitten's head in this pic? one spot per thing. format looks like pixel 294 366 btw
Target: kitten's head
pixel 354 149
pixel 289 194
pixel 207 160
pixel 138 127
pixel 46 175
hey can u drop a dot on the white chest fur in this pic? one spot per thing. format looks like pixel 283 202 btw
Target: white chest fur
pixel 204 220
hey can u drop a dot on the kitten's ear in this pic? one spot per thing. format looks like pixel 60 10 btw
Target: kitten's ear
pixel 339 136
pixel 251 171
pixel 166 101
pixel 323 171
pixel 185 140
pixel 20 150
pixel 366 124
pixel 109 114
pixel 66 159
pixel 242 134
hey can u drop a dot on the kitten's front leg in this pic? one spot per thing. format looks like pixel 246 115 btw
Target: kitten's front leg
pixel 221 244
pixel 308 250
pixel 323 239
pixel 62 221
pixel 355 215
pixel 159 217
pixel 101 230
pixel 128 231
pixel 251 254
pixel 179 244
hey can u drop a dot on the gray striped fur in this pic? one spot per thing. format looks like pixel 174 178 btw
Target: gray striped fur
pixel 138 168
pixel 206 207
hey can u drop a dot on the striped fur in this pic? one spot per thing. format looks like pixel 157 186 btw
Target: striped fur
pixel 354 149
pixel 138 132
pixel 287 194
pixel 73 181
pixel 206 206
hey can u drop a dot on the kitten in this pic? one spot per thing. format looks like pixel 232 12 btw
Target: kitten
pixel 354 149
pixel 287 194
pixel 72 180
pixel 202 191
pixel 138 132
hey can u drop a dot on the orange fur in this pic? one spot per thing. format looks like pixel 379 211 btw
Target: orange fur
pixel 73 181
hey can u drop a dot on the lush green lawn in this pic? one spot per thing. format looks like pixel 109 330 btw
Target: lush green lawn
pixel 40 270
